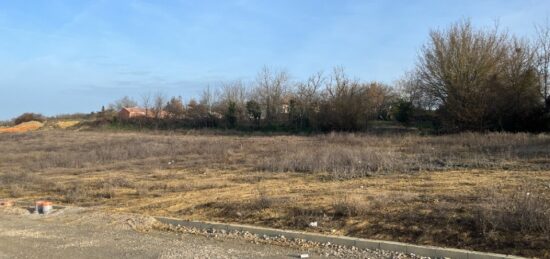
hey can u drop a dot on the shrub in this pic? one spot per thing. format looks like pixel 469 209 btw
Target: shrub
pixel 263 201
pixel 350 207
pixel 403 111
pixel 26 117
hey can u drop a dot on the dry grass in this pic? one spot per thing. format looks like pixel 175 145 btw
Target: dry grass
pixel 66 124
pixel 524 211
pixel 348 155
pixel 339 155
pixel 466 190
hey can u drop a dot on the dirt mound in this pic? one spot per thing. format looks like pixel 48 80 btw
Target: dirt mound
pixel 135 222
pixel 123 221
pixel 66 124
pixel 23 127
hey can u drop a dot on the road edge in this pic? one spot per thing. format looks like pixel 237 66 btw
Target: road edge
pixel 431 251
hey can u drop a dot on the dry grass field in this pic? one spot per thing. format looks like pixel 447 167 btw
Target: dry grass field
pixel 488 192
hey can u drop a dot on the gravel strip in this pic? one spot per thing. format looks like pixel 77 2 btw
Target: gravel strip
pixel 323 249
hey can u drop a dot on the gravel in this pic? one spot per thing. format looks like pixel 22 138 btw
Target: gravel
pixel 322 249
pixel 88 233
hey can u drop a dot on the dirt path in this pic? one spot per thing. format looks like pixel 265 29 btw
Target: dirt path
pixel 72 235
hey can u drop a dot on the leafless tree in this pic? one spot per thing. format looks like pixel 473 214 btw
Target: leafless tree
pixel 233 95
pixel 379 98
pixel 479 79
pixel 344 103
pixel 158 104
pixel 207 98
pixel 307 97
pixel 271 87
pixel 309 92
pixel 456 69
pixel 410 90
pixel 233 91
pixel 543 58
pixel 146 100
pixel 123 102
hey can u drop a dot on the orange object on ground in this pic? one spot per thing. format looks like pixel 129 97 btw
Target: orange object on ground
pixel 43 207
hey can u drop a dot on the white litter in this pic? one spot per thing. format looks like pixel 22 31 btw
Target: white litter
pixel 304 256
pixel 313 224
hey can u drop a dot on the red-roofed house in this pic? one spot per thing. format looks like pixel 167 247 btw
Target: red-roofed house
pixel 136 112
pixel 132 112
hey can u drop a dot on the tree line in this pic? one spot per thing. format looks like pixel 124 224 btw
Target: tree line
pixel 465 79
pixel 273 102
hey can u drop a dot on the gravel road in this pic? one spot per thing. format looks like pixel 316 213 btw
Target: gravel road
pixel 83 233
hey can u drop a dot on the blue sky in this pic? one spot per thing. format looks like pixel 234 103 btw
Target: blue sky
pixel 75 56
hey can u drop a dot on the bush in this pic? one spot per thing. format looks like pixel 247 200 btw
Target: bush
pixel 403 111
pixel 26 117
pixel 350 207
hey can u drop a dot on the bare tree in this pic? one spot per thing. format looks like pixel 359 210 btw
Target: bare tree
pixel 344 106
pixel 410 90
pixel 124 102
pixel 207 98
pixel 271 87
pixel 543 58
pixel 480 79
pixel 233 91
pixel 146 100
pixel 158 104
pixel 307 99
pixel 379 98
pixel 232 97
pixel 309 92
pixel 456 69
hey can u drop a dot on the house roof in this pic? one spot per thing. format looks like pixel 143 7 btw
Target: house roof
pixel 134 109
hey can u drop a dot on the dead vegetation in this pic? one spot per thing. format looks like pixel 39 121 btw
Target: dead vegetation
pixel 485 192
pixel 348 155
pixel 525 211
pixel 339 155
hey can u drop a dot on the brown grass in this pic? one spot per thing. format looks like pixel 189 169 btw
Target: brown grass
pixel 466 190
pixel 339 155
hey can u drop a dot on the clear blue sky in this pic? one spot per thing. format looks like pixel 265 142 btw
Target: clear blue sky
pixel 74 56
